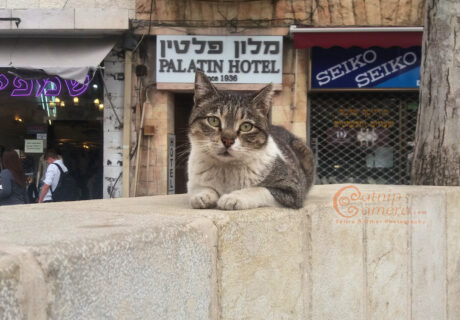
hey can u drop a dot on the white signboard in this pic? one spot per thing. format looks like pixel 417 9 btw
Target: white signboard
pixel 224 59
pixel 33 146
pixel 171 164
pixel 41 136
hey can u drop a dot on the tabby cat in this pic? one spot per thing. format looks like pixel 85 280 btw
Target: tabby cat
pixel 237 159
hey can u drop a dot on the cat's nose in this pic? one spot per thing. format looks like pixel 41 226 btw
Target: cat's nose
pixel 228 142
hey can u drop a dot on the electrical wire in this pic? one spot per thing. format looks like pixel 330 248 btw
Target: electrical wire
pixel 148 32
pixel 112 189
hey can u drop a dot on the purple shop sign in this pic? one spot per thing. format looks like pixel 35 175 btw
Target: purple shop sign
pixel 48 87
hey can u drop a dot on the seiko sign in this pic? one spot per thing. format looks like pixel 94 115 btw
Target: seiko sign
pixel 356 68
pixel 224 59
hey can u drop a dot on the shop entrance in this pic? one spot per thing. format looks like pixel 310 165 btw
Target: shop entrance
pixel 183 104
pixel 41 113
pixel 363 137
pixel 80 144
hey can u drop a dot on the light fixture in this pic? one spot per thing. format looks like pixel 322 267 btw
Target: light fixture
pixel 52 104
pixel 17 118
pixel 76 100
pixel 95 86
pixel 57 100
pixel 62 104
pixel 101 106
pixel 96 101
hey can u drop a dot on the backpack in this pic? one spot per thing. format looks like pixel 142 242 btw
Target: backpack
pixel 66 189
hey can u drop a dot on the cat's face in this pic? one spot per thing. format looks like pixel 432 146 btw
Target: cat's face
pixel 228 126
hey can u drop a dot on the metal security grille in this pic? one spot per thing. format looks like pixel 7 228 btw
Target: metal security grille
pixel 363 137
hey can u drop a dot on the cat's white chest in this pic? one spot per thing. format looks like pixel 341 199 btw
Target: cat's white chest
pixel 228 177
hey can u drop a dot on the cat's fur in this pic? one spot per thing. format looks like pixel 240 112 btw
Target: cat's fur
pixel 231 169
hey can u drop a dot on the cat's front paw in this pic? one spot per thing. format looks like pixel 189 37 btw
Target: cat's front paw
pixel 204 199
pixel 233 201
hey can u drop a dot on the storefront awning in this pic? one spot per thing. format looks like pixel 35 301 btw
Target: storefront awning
pixel 364 37
pixel 69 58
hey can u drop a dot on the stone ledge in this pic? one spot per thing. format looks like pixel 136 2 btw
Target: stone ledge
pixel 154 258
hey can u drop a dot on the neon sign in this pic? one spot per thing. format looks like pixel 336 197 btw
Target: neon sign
pixel 47 87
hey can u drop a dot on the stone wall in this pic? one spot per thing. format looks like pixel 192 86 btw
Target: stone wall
pixel 67 15
pixel 153 164
pixel 289 107
pixel 113 124
pixel 266 17
pixel 267 13
pixel 353 252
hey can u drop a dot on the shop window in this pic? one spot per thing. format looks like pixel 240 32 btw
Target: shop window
pixel 363 137
pixel 37 113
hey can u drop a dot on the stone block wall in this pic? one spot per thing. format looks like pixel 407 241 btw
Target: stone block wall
pixel 113 125
pixel 266 13
pixel 389 252
pixel 67 15
pixel 153 168
pixel 290 104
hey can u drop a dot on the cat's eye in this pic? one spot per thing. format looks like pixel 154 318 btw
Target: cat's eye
pixel 246 126
pixel 214 121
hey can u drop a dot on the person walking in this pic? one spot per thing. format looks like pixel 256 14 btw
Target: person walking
pixel 12 179
pixel 52 175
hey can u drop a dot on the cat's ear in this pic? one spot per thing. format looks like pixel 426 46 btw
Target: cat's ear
pixel 263 99
pixel 203 87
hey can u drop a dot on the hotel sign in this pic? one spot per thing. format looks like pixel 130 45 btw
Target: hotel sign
pixel 224 59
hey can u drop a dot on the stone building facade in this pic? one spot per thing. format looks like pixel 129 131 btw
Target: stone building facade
pixel 291 105
pixel 144 120
pixel 84 25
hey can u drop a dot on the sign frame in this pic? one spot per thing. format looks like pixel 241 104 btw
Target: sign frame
pixel 33 146
pixel 229 60
pixel 171 163
pixel 311 88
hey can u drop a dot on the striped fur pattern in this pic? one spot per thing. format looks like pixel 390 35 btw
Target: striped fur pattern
pixel 237 159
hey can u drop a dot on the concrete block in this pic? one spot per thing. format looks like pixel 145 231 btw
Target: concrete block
pixel 101 18
pixel 6 25
pixel 113 157
pixel 45 18
pixel 117 102
pixel 387 260
pixel 97 267
pixel 22 4
pixel 113 64
pixel 337 259
pixel 113 140
pixel 123 4
pixel 79 3
pixel 112 79
pixel 113 59
pixel 343 256
pixel 262 257
pixel 10 288
pixel 453 255
pixel 428 255
pixel 54 4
